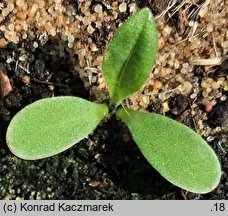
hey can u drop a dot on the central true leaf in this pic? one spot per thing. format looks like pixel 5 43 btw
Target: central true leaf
pixel 50 126
pixel 178 153
pixel 130 56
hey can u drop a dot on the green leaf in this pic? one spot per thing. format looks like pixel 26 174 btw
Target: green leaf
pixel 178 153
pixel 130 56
pixel 50 126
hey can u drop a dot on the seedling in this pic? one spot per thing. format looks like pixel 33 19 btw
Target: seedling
pixel 50 126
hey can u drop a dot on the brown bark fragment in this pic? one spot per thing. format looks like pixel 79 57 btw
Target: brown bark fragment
pixel 5 85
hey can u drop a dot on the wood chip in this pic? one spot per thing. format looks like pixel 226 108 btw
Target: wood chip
pixel 5 86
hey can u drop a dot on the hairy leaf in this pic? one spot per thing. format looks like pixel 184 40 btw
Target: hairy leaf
pixel 50 126
pixel 130 56
pixel 178 153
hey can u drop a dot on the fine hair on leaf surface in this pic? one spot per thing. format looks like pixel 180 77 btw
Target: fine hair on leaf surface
pixel 130 56
pixel 50 126
pixel 177 152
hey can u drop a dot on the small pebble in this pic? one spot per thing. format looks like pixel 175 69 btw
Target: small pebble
pixel 10 6
pixel 51 87
pixel 157 85
pixel 210 28
pixel 21 15
pixel 71 38
pixel 122 7
pixel 3 43
pixel 20 3
pixel 166 31
pixel 187 87
pixel 208 107
pixel 35 44
pixel 26 80
pixel 165 106
pixel 223 98
pixel 90 29
pixel 98 9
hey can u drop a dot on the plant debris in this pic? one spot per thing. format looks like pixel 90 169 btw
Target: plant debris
pixel 5 85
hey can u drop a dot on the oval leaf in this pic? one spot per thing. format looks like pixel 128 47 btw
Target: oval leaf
pixel 130 56
pixel 50 126
pixel 178 153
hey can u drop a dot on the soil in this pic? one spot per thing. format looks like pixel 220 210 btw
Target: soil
pixel 107 164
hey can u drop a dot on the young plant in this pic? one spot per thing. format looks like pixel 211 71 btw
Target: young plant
pixel 50 126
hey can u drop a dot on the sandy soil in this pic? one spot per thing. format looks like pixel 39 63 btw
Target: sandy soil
pixel 56 47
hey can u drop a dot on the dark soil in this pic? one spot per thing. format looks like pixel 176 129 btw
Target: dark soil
pixel 105 166
pixel 120 171
pixel 76 173
pixel 219 117
pixel 178 104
